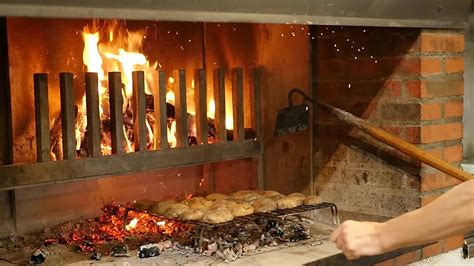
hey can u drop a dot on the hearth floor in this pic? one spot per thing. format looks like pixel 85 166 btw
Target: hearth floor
pixel 298 253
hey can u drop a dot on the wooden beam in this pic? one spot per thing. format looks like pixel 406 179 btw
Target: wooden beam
pixel 43 152
pixel 139 114
pixel 219 100
pixel 93 114
pixel 23 175
pixel 200 94
pixel 181 108
pixel 161 121
pixel 116 113
pixel 68 117
pixel 238 103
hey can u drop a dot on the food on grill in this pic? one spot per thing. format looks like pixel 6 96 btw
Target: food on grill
pixel 192 215
pixel 175 210
pixel 203 205
pixel 297 195
pixel 241 209
pixel 217 196
pixel 161 207
pixel 272 194
pixel 226 204
pixel 220 215
pixel 289 202
pixel 143 205
pixel 244 194
pixel 312 200
pixel 264 205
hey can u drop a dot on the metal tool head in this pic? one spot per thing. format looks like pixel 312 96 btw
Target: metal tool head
pixel 292 119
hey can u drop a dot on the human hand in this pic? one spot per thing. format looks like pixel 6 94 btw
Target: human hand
pixel 357 239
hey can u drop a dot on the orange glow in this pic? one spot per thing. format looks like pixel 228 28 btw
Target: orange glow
pixel 132 224
pixel 121 51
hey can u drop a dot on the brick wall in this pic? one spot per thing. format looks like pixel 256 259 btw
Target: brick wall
pixel 410 83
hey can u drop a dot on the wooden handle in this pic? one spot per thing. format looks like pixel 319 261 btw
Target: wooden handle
pixel 397 143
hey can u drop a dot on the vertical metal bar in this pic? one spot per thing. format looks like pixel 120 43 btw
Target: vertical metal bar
pixel 116 114
pixel 6 126
pixel 181 109
pixel 238 103
pixel 256 105
pixel 200 93
pixel 219 100
pixel 256 116
pixel 68 118
pixel 161 121
pixel 42 117
pixel 139 114
pixel 93 115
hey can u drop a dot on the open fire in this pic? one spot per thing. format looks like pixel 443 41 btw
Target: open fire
pixel 110 47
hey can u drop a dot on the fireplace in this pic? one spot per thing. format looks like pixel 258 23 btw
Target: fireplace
pixel 197 116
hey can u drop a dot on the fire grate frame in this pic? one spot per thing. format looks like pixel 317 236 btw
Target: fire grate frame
pixel 45 171
pixel 276 214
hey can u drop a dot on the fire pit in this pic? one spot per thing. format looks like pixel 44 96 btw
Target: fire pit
pixel 104 102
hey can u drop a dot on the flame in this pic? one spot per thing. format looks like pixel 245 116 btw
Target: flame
pixel 119 50
pixel 211 113
pixel 211 109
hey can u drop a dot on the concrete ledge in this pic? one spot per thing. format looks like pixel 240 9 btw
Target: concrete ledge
pixel 468 165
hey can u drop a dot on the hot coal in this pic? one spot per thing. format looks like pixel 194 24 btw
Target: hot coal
pixel 39 256
pixel 149 250
pixel 120 251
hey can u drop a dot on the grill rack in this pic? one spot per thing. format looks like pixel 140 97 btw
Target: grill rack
pixel 276 214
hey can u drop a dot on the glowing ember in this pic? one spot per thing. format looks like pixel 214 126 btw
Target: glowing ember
pixel 111 226
pixel 132 224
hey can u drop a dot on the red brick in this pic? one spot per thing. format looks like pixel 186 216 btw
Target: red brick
pixel 394 130
pixel 409 66
pixel 393 88
pixel 442 132
pixel 453 243
pixel 408 258
pixel 425 200
pixel 451 181
pixel 430 111
pixel 400 111
pixel 454 109
pixel 414 88
pixel 438 153
pixel 442 42
pixel 430 65
pixel 413 134
pixel 432 181
pixel 389 262
pixel 431 250
pixel 454 64
pixel 439 88
pixel 453 154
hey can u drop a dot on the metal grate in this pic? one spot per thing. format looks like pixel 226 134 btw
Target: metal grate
pixel 276 214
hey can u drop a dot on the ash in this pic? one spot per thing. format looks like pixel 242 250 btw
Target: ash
pixel 231 241
pixel 226 242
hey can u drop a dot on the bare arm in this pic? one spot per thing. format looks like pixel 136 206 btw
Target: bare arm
pixel 449 215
